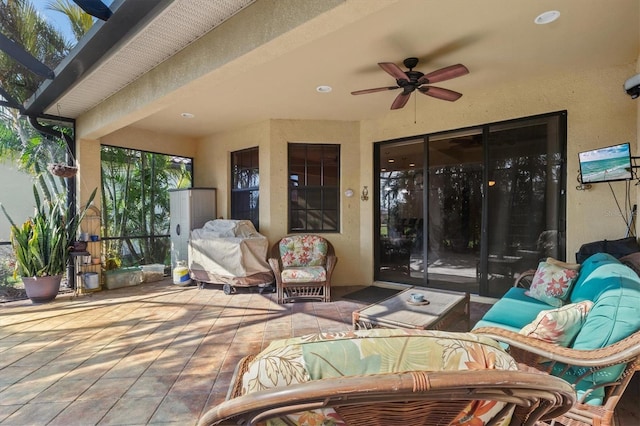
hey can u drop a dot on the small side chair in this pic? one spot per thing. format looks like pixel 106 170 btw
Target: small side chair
pixel 302 265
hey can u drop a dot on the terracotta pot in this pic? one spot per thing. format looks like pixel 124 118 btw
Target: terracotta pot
pixel 42 289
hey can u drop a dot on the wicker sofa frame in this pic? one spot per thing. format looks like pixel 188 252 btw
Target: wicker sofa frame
pixel 544 356
pixel 290 292
pixel 415 397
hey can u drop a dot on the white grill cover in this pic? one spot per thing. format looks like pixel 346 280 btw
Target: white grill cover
pixel 230 248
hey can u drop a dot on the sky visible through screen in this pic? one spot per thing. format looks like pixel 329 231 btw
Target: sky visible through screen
pixel 58 19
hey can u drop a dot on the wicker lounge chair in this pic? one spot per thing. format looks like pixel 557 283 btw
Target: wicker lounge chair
pixel 302 265
pixel 326 378
pixel 412 398
pixel 549 357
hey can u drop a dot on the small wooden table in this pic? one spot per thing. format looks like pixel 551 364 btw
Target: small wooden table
pixel 444 309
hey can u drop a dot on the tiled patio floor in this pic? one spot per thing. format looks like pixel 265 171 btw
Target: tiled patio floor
pixel 150 354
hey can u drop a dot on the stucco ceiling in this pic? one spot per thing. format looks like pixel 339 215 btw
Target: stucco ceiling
pixel 497 40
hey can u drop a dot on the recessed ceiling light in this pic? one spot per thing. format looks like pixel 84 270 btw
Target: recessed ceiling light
pixel 391 160
pixel 412 164
pixel 324 89
pixel 547 17
pixel 187 115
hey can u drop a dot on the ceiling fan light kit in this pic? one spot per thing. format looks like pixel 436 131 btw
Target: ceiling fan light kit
pixel 411 80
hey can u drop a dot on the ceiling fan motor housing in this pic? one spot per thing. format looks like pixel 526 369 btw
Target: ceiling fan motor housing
pixel 410 62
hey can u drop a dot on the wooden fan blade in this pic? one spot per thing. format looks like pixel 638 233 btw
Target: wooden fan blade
pixel 377 89
pixel 394 70
pixel 440 93
pixel 401 100
pixel 446 73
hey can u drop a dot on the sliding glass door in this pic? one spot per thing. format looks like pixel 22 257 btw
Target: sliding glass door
pixel 455 171
pixel 467 210
pixel 525 199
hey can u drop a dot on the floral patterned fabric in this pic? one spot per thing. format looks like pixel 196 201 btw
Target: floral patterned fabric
pixel 303 250
pixel 309 274
pixel 552 281
pixel 560 325
pixel 360 352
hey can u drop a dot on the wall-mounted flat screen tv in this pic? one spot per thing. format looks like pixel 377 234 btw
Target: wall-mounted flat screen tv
pixel 606 164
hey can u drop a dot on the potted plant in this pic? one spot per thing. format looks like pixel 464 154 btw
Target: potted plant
pixel 41 244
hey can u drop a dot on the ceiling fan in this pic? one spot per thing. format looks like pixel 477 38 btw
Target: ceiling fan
pixel 411 80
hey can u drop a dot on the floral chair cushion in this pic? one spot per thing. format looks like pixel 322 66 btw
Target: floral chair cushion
pixel 309 274
pixel 303 250
pixel 360 352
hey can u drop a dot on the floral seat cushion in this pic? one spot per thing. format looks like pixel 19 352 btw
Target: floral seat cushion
pixel 303 251
pixel 309 274
pixel 361 352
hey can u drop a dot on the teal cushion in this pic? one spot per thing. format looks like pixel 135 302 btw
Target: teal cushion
pixel 614 316
pixel 601 280
pixel 515 309
pixel 579 292
pixel 583 387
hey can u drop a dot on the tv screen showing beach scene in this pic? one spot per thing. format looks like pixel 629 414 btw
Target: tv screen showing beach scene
pixel 606 164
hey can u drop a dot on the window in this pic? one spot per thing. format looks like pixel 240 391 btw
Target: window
pixel 314 187
pixel 245 184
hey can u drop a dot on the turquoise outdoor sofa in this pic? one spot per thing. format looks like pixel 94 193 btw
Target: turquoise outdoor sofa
pixel 601 350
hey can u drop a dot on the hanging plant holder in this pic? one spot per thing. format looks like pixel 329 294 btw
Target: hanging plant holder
pixel 62 170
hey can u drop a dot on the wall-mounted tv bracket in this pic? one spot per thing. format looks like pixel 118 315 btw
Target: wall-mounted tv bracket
pixel 634 166
pixel 582 186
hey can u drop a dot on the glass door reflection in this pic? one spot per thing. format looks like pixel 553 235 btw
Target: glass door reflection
pixel 401 199
pixel 455 210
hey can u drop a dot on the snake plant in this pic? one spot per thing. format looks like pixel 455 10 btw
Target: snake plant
pixel 41 243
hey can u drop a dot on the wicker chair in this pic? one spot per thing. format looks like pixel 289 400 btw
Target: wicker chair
pixel 302 265
pixel 412 398
pixel 546 357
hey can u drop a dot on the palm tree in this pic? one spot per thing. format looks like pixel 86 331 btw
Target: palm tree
pixel 21 22
pixel 19 141
pixel 80 21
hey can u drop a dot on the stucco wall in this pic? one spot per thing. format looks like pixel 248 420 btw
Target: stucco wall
pixel 272 138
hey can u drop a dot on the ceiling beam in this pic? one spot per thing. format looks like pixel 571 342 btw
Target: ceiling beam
pixel 95 8
pixel 18 53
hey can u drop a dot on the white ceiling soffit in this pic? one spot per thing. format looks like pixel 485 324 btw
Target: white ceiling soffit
pixel 188 20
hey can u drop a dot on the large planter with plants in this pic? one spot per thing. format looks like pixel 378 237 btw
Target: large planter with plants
pixel 41 244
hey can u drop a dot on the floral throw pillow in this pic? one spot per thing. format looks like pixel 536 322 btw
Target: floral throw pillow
pixel 552 281
pixel 560 325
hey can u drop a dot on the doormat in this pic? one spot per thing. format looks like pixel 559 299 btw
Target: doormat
pixel 371 294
